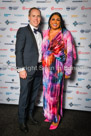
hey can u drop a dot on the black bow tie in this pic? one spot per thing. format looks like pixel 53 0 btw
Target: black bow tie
pixel 37 30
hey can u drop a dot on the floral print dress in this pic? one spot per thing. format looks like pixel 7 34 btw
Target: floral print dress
pixel 57 62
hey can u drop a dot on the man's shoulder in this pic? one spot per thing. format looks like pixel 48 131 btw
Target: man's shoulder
pixel 22 28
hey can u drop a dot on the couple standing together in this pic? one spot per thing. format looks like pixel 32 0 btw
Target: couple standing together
pixel 54 50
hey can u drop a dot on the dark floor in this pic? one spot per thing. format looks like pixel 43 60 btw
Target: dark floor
pixel 74 123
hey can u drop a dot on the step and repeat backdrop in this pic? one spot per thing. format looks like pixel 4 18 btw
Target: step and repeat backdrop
pixel 76 14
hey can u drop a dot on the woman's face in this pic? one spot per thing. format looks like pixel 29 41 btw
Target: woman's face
pixel 55 22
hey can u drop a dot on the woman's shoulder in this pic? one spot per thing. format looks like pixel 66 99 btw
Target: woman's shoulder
pixel 66 32
pixel 45 32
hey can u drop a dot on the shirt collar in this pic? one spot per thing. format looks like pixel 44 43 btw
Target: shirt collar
pixel 32 27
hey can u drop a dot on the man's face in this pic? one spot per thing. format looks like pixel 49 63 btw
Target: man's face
pixel 35 17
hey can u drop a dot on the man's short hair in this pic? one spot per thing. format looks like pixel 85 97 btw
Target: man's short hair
pixel 32 9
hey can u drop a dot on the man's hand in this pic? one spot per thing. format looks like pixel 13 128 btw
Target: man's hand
pixel 23 74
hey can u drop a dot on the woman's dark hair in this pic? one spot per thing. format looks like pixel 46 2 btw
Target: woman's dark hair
pixel 62 24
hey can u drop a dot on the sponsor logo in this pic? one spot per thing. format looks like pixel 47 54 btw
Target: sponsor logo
pixel 78 92
pixel 42 8
pixel 9 99
pixel 3 68
pixel 88 86
pixel 8 0
pixel 12 81
pixel 71 104
pixel 13 8
pixel 3 55
pixel 22 1
pixel 83 59
pixel 24 25
pixel 85 31
pixel 3 29
pixel 43 1
pixel 53 8
pixel 87 107
pixel 24 8
pixel 64 16
pixel 89 79
pixel 88 99
pixel 68 91
pixel 81 79
pixel 3 49
pixel 79 99
pixel 71 8
pixel 78 23
pixel 89 45
pixel 57 1
pixel 3 87
pixel 74 15
pixel 80 52
pixel 1 36
pixel 8 62
pixel 2 7
pixel 18 15
pixel 83 73
pixel 12 29
pixel 11 75
pixel 85 8
pixel 12 56
pixel 73 31
pixel 12 50
pixel 83 38
pixel 10 22
pixel 79 0
pixel 1 74
pixel 6 15
pixel 70 98
pixel 84 15
pixel 8 43
pixel 8 93
pixel 12 88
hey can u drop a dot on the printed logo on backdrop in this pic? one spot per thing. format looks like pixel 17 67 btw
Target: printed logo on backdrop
pixel 75 23
pixel 71 104
pixel 6 15
pixel 7 22
pixel 22 1
pixel 79 0
pixel 71 8
pixel 88 86
pixel 43 1
pixel 2 28
pixel 9 99
pixel 89 45
pixel 13 8
pixel 57 1
pixel 8 0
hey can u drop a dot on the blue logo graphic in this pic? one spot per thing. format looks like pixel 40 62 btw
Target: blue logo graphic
pixel 88 86
pixel 22 1
pixel 1 74
pixel 8 62
pixel 75 23
pixel 89 45
pixel 7 22
pixel 57 1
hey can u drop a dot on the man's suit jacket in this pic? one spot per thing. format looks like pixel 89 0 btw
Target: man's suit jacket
pixel 26 50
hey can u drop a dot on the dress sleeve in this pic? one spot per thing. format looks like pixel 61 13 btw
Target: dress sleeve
pixel 70 50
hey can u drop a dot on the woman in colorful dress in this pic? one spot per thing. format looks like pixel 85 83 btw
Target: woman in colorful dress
pixel 58 54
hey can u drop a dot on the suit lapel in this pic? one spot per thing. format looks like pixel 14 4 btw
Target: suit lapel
pixel 31 33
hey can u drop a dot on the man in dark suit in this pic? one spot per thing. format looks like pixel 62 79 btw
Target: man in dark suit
pixel 28 63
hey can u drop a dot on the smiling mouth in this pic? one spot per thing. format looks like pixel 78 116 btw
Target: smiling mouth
pixel 54 24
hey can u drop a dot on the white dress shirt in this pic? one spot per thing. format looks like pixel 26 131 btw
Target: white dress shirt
pixel 38 38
